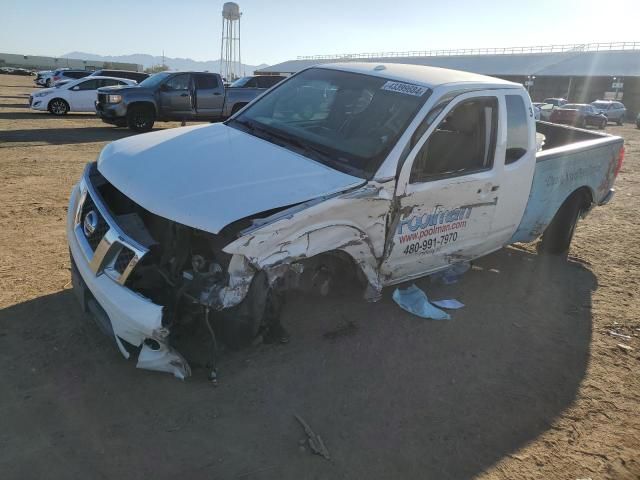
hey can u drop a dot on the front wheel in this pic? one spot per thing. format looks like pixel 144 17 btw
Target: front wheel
pixel 556 239
pixel 140 119
pixel 58 106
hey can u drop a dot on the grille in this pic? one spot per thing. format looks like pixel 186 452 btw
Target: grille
pixel 124 257
pixel 102 227
pixel 102 98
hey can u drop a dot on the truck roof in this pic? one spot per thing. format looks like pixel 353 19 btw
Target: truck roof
pixel 419 74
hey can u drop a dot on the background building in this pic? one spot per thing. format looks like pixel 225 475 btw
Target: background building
pixel 581 73
pixel 34 62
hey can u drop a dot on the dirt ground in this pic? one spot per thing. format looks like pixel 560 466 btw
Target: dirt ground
pixel 526 381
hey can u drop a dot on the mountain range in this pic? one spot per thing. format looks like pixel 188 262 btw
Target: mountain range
pixel 151 60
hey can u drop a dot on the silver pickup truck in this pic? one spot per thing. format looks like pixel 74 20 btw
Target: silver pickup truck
pixel 171 96
pixel 368 173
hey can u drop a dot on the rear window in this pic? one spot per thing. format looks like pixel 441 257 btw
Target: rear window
pixel 206 82
pixel 517 129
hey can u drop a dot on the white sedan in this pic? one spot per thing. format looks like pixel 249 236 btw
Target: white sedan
pixel 75 96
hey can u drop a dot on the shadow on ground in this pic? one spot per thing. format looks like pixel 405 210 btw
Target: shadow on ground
pixel 394 396
pixel 33 115
pixel 64 135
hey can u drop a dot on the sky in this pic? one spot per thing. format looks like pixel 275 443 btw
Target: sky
pixel 273 32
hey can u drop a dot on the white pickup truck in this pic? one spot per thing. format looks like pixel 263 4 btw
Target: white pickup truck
pixel 387 171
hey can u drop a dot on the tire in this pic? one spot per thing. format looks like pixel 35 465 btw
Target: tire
pixel 58 106
pixel 141 118
pixel 602 125
pixel 238 326
pixel 582 123
pixel 556 239
pixel 619 122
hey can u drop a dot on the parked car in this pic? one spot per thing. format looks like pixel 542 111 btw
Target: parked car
pixel 556 102
pixel 75 96
pixel 579 114
pixel 638 121
pixel 131 75
pixel 66 74
pixel 168 96
pixel 545 110
pixel 257 81
pixel 42 76
pixel 614 111
pixel 385 173
pixel 536 110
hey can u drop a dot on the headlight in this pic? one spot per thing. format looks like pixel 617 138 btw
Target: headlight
pixel 41 94
pixel 114 98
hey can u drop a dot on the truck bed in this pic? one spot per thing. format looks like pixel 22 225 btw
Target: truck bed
pixel 571 158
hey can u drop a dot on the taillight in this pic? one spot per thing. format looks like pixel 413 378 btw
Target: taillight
pixel 620 161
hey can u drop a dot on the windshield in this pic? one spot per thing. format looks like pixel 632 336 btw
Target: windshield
pixel 241 82
pixel 154 80
pixel 344 120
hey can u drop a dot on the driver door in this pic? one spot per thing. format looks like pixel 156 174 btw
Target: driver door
pixel 176 96
pixel 447 189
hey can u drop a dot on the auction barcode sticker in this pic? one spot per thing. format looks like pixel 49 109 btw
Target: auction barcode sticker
pixel 406 88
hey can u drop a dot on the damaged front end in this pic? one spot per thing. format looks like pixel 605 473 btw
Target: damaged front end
pixel 156 285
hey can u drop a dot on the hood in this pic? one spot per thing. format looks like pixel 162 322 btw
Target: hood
pixel 46 91
pixel 120 88
pixel 209 176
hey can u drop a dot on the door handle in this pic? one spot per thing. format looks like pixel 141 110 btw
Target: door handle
pixel 184 94
pixel 217 93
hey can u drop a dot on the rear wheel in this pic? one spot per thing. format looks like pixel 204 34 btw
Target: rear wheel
pixel 556 239
pixel 141 118
pixel 619 122
pixel 58 106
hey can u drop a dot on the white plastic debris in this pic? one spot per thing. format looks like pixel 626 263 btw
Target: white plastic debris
pixel 164 359
pixel 449 304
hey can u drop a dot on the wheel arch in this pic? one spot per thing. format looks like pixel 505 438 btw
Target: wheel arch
pixel 144 104
pixel 345 243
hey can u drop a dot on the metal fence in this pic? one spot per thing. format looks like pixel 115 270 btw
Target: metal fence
pixel 578 47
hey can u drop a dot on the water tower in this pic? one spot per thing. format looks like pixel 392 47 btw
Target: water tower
pixel 230 60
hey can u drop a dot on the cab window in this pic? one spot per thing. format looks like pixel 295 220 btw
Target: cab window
pixel 517 129
pixel 179 82
pixel 88 85
pixel 464 142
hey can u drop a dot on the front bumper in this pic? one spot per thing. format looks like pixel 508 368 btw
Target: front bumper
pixel 130 316
pixel 608 197
pixel 111 113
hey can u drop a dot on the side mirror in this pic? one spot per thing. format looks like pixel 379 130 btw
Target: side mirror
pixel 76 88
pixel 163 87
